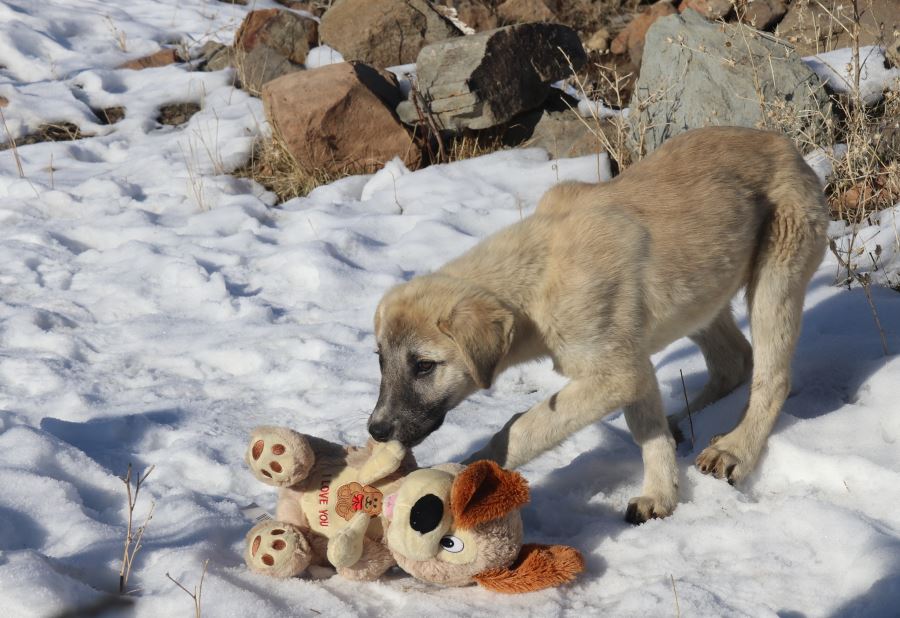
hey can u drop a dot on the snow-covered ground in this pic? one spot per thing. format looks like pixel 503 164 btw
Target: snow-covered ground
pixel 155 308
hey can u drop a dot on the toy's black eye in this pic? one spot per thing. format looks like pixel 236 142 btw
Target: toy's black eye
pixel 424 367
pixel 452 544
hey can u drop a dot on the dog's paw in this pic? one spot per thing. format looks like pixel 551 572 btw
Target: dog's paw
pixel 277 549
pixel 720 462
pixel 642 508
pixel 279 456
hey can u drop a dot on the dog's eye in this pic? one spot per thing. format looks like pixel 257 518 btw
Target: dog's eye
pixel 452 544
pixel 424 367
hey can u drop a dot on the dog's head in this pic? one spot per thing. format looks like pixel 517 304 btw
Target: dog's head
pixel 439 340
pixel 456 526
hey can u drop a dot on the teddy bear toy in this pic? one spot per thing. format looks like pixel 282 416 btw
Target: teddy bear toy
pixel 365 510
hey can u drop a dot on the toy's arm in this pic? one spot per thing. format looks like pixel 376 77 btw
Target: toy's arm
pixel 346 548
pixel 385 459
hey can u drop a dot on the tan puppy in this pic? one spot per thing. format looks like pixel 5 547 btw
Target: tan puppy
pixel 600 277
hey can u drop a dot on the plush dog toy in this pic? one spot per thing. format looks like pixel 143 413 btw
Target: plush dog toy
pixel 364 510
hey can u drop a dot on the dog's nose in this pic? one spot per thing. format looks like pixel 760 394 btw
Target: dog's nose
pixel 381 431
pixel 426 514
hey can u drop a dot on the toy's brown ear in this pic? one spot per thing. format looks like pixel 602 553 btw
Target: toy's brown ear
pixel 536 568
pixel 484 491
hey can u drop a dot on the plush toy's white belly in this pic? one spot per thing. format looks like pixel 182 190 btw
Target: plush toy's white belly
pixel 334 496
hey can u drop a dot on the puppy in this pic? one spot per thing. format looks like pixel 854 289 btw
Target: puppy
pixel 600 277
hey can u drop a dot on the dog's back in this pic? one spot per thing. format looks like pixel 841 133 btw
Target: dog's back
pixel 693 218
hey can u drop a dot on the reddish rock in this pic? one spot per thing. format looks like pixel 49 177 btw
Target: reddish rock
pixel 159 59
pixel 383 33
pixel 271 43
pixel 812 29
pixel 710 9
pixel 631 39
pixel 348 126
pixel 476 15
pixel 4 101
pixel 288 33
pixel 524 11
pixel 762 14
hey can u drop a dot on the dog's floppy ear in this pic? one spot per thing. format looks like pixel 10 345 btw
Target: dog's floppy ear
pixel 484 491
pixel 536 568
pixel 482 329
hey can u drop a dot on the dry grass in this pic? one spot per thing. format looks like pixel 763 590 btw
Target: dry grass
pixel 273 166
pixel 197 594
pixel 50 132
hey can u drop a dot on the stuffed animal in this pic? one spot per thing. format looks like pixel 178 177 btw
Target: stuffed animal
pixel 364 510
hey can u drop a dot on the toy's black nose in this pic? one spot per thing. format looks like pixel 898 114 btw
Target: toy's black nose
pixel 426 514
pixel 381 431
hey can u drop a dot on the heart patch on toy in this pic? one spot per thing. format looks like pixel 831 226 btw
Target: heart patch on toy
pixel 354 497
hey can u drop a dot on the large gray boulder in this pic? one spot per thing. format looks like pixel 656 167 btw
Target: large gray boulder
pixel 696 74
pixel 483 80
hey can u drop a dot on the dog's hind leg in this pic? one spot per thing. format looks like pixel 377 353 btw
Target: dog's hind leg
pixel 790 250
pixel 729 360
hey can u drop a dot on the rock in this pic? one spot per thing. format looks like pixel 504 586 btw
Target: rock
pixel 483 80
pixel 710 9
pixel 524 11
pixel 475 14
pixel 599 41
pixel 349 126
pixel 214 56
pixel 563 134
pixel 698 73
pixel 811 29
pixel 584 16
pixel 271 43
pixel 631 39
pixel 159 59
pixel 298 5
pixel 383 33
pixel 3 101
pixel 762 14
pixel 892 51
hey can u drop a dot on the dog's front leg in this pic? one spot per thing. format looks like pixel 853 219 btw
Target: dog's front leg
pixel 584 401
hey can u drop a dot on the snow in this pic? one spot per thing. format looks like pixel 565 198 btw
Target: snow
pixel 836 69
pixel 153 308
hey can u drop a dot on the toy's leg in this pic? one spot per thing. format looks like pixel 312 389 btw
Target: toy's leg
pixel 374 562
pixel 278 549
pixel 278 456
pixel 346 547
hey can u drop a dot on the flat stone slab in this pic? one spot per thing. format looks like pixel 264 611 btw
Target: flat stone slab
pixel 483 80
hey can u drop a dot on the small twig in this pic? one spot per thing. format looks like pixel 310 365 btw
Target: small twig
pixel 865 282
pixel 197 594
pixel 675 592
pixel 687 406
pixel 133 537
pixel 396 198
pixel 12 145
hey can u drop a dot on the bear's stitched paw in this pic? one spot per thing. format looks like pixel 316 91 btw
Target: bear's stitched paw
pixel 277 549
pixel 278 456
